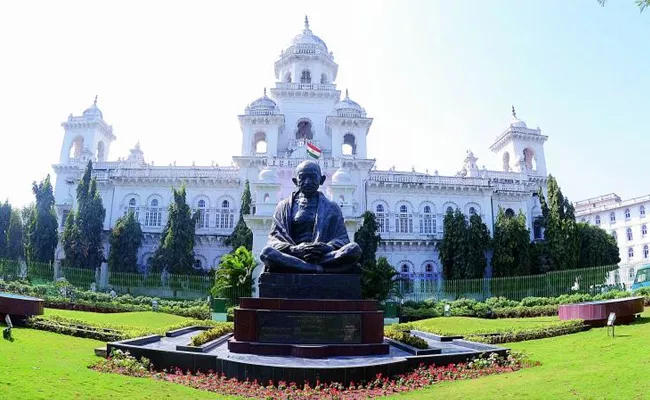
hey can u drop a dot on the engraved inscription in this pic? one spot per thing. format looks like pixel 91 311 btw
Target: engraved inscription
pixel 308 328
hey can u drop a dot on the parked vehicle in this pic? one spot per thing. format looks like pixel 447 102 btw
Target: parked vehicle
pixel 642 278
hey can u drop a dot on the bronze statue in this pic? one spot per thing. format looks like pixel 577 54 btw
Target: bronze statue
pixel 308 234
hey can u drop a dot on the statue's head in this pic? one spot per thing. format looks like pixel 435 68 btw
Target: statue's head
pixel 308 177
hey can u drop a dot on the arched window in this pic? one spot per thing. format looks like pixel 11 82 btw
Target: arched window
pixel 77 147
pixel 642 211
pixel 630 274
pixel 382 218
pixel 627 213
pixel 612 217
pixel 100 151
pixel 226 216
pixel 629 234
pixel 450 210
pixel 305 77
pixel 529 158
pixel 614 235
pixel 630 252
pixel 198 264
pixel 537 229
pixel 323 78
pixel 472 211
pixel 510 213
pixel 404 220
pixel 153 217
pixel 597 219
pixel 132 207
pixel 644 230
pixel 583 219
pixel 349 146
pixel 203 216
pixel 426 221
pixel 646 251
pixel 405 268
pixel 428 268
pixel 287 77
pixel 304 131
pixel 506 162
pixel 266 197
pixel 259 143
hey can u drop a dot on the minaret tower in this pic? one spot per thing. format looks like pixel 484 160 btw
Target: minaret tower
pixel 87 137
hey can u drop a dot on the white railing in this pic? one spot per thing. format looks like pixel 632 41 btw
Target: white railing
pixel 406 177
pixel 304 86
pixel 221 173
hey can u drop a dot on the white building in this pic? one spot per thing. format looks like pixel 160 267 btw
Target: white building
pixel 627 222
pixel 305 106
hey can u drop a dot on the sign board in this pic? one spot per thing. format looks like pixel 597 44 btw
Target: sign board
pixel 8 321
pixel 611 319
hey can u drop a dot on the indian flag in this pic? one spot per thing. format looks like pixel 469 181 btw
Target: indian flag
pixel 313 151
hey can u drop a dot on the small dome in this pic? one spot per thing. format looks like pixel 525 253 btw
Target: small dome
pixel 306 37
pixel 262 106
pixel 517 123
pixel 268 175
pixel 341 176
pixel 93 111
pixel 349 108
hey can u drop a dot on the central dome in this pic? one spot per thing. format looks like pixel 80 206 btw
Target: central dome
pixel 308 38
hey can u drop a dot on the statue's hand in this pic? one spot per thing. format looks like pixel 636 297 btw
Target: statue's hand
pixel 300 250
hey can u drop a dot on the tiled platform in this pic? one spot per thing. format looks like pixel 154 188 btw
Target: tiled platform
pixel 163 354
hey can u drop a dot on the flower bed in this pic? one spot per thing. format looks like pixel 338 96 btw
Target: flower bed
pixel 111 332
pixel 125 364
pixel 564 328
pixel 500 307
pixel 86 300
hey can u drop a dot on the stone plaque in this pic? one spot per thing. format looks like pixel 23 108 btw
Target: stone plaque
pixel 308 328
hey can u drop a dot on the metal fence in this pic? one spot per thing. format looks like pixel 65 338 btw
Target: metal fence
pixel 11 270
pixel 586 280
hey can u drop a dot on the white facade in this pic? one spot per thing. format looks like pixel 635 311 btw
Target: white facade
pixel 303 107
pixel 628 221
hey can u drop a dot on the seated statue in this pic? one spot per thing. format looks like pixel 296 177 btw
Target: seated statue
pixel 308 234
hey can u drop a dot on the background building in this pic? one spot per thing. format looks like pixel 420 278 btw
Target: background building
pixel 305 108
pixel 626 221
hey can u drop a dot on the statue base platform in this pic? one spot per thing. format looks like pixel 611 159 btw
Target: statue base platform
pixel 310 286
pixel 308 328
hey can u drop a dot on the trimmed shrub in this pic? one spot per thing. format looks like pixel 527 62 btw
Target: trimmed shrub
pixel 402 334
pixel 564 328
pixel 211 334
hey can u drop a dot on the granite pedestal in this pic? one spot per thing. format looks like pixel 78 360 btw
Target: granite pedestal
pixel 309 316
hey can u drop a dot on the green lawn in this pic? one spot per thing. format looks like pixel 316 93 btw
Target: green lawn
pixel 586 365
pixel 467 326
pixel 142 319
pixel 44 365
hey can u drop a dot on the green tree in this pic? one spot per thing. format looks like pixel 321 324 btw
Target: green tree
pixel 242 235
pixel 511 255
pixel 41 234
pixel 175 254
pixel 5 220
pixel 561 232
pixel 89 222
pixel 597 247
pixel 234 278
pixel 368 239
pixel 378 280
pixel 463 246
pixel 15 240
pixel 642 4
pixel 72 243
pixel 478 243
pixel 126 238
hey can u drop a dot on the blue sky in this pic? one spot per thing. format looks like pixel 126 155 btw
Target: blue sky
pixel 438 77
